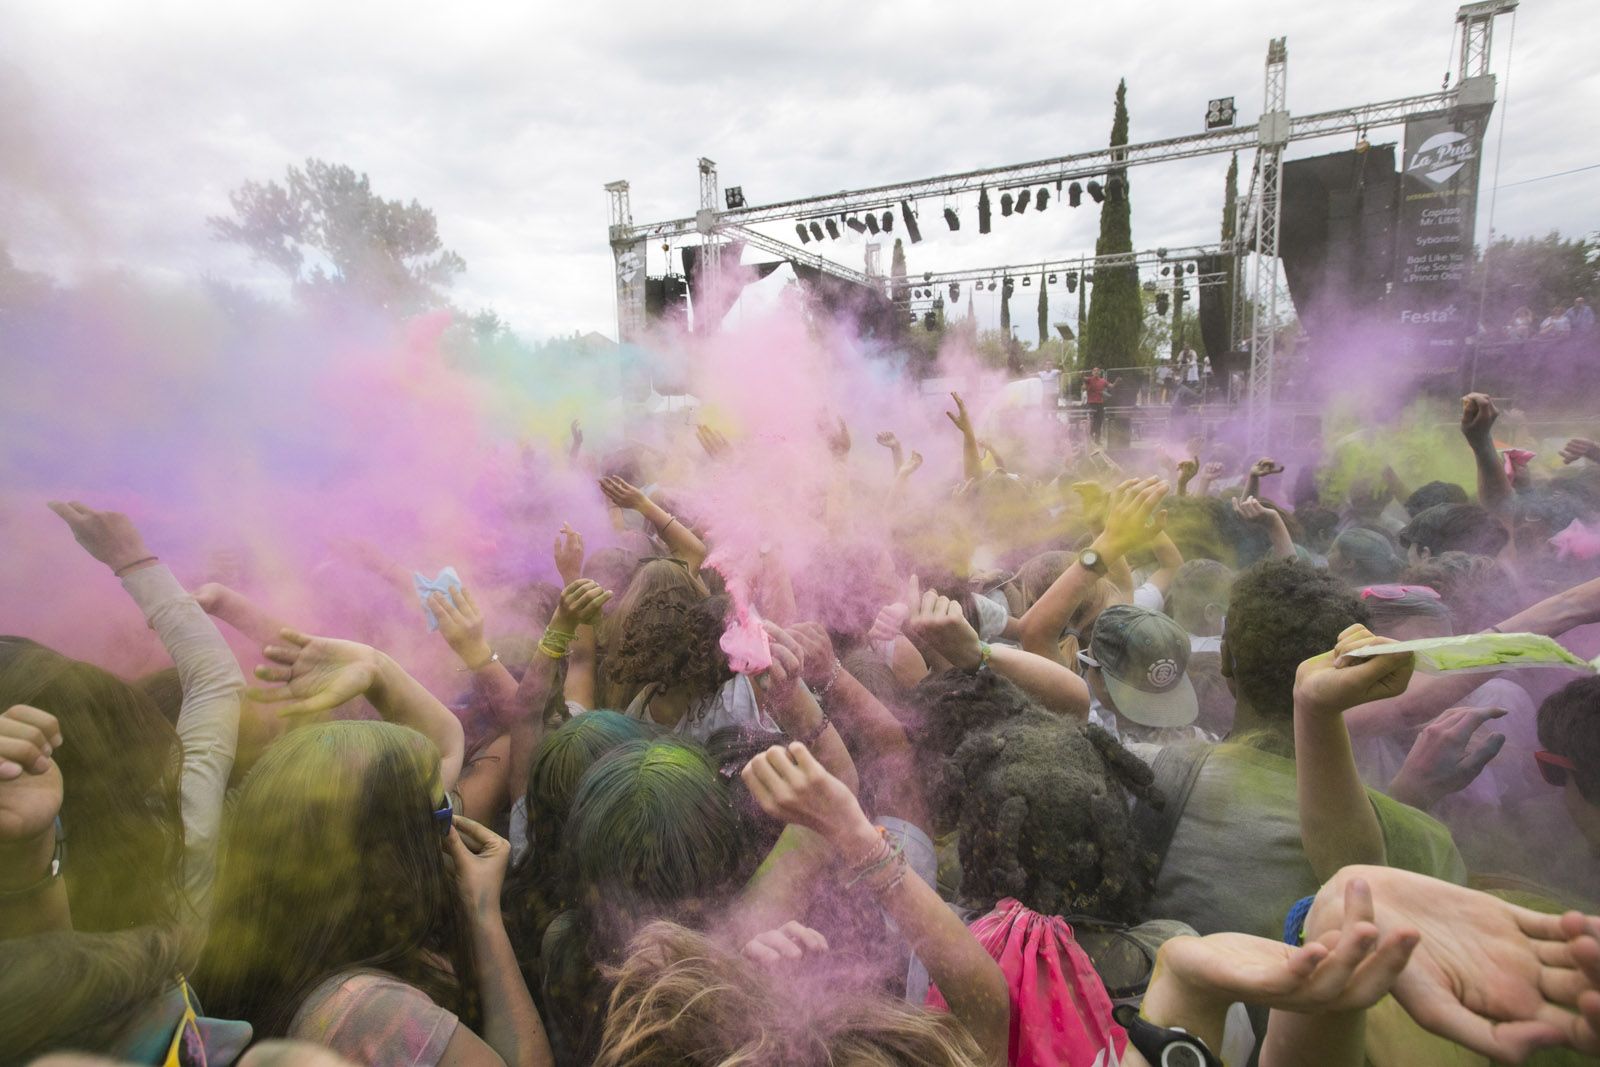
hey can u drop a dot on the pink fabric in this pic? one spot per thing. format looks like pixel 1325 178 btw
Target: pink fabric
pixel 373 1019
pixel 1516 460
pixel 1576 542
pixel 1060 1013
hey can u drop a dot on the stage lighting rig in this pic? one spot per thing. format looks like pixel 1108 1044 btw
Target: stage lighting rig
pixel 1096 193
pixel 1219 113
pixel 804 234
pixel 1074 194
pixel 733 196
pixel 913 231
pixel 951 219
pixel 1005 203
pixel 1023 199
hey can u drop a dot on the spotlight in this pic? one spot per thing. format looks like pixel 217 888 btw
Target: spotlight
pixel 887 222
pixel 983 211
pixel 1074 194
pixel 733 196
pixel 872 223
pixel 1219 112
pixel 856 224
pixel 1161 303
pixel 1027 279
pixel 1010 286
pixel 1096 193
pixel 1005 203
pixel 833 229
pixel 1166 270
pixel 991 286
pixel 930 321
pixel 1189 267
pixel 1022 200
pixel 1115 188
pixel 805 235
pixel 816 230
pixel 951 219
pixel 1041 199
pixel 927 275
pixel 1161 253
pixel 1052 279
pixel 955 292
pixel 1072 281
pixel 913 231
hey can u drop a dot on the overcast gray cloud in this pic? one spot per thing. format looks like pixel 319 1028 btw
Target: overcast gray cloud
pixel 122 126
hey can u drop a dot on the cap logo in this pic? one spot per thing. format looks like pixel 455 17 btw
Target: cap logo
pixel 1163 672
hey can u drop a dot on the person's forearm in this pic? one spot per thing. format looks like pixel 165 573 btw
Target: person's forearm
pixel 208 720
pixel 496 687
pixel 1338 825
pixel 906 662
pixel 23 864
pixel 528 728
pixel 1043 623
pixel 1252 486
pixel 484 782
pixel 1331 1039
pixel 799 715
pixel 967 977
pixel 1054 686
pixel 402 699
pixel 246 616
pixel 784 886
pixel 1168 559
pixel 681 541
pixel 1171 1001
pixel 511 1024
pixel 1278 536
pixel 1494 488
pixel 579 687
pixel 971 462
pixel 1121 575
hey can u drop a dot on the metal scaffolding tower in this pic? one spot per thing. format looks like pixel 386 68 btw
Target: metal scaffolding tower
pixel 1266 215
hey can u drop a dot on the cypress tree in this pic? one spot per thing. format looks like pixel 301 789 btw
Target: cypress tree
pixel 1111 334
pixel 898 289
pixel 1005 310
pixel 1230 229
pixel 1044 312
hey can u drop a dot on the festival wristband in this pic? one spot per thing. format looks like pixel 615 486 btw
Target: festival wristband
pixel 1294 926
pixel 126 567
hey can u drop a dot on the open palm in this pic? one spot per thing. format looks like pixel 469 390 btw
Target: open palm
pixel 319 673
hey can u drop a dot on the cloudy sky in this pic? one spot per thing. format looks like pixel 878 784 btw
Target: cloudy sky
pixel 123 125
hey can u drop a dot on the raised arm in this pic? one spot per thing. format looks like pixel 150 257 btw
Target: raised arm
pixel 1268 519
pixel 1168 559
pixel 679 539
pixel 896 453
pixel 792 705
pixel 1187 469
pixel 1264 467
pixel 1338 825
pixel 239 612
pixel 971 463
pixel 789 784
pixel 208 720
pixel 1478 415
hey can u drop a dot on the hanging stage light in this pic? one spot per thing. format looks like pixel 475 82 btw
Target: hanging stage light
pixel 872 223
pixel 816 230
pixel 856 224
pixel 1115 188
pixel 1072 281
pixel 1005 203
pixel 1166 270
pixel 955 292
pixel 1022 200
pixel 913 231
pixel 1190 267
pixel 930 321
pixel 1027 279
pixel 1052 279
pixel 833 229
pixel 1011 286
pixel 951 219
pixel 991 285
pixel 887 222
pixel 1161 303
pixel 1074 194
pixel 805 235
pixel 1096 193
pixel 983 211
pixel 1041 199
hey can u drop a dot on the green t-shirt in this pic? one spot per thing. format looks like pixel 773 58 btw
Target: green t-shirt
pixel 1236 862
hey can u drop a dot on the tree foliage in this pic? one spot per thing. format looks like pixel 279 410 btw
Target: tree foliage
pixel 326 230
pixel 1230 229
pixel 1534 272
pixel 1111 333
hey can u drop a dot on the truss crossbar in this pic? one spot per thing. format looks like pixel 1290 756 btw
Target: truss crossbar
pixel 799 255
pixel 1146 257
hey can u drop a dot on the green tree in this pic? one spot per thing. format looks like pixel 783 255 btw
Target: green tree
pixel 899 292
pixel 1111 334
pixel 1230 229
pixel 1533 272
pixel 1005 308
pixel 326 230
pixel 1044 313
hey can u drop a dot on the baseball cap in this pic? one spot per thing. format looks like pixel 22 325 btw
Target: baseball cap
pixel 1144 657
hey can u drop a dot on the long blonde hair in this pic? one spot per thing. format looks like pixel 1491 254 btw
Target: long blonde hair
pixel 681 998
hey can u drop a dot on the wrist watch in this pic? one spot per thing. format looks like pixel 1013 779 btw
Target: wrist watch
pixel 1093 562
pixel 1163 1046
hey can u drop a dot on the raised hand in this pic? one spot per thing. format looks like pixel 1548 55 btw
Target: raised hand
pixel 318 673
pixel 1580 448
pixel 30 791
pixel 569 554
pixel 816 653
pixel 887 626
pixel 1448 755
pixel 888 440
pixel 839 440
pixel 1346 967
pixel 1187 469
pixel 786 944
pixel 577 439
pixel 1501 980
pixel 1133 517
pixel 790 785
pixel 959 416
pixel 1477 418
pixel 1212 471
pixel 938 623
pixel 108 536
pixel 480 857
pixel 1265 467
pixel 622 494
pixel 1331 684
pixel 581 604
pixel 788 660
pixel 714 444
pixel 461 626
pixel 910 466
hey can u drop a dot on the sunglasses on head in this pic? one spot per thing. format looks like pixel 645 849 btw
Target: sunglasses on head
pixel 1553 768
pixel 443 815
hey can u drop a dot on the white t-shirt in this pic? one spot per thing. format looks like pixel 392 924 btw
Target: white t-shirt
pixel 1149 597
pixel 733 705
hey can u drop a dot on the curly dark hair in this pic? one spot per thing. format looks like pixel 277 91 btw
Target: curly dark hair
pixel 1460 527
pixel 1282 612
pixel 671 636
pixel 1042 806
pixel 1569 725
pixel 1478 590
pixel 1432 495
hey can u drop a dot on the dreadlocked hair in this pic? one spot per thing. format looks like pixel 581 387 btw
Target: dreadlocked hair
pixel 1042 804
pixel 681 998
pixel 671 636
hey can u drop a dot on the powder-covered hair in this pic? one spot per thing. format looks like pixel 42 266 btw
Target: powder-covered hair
pixel 1362 557
pixel 681 998
pixel 1478 589
pixel 669 635
pixel 1282 612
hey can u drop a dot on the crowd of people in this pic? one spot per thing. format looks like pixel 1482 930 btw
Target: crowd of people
pixel 1096 776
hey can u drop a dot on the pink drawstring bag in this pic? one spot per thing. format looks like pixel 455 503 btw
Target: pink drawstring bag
pixel 1060 1013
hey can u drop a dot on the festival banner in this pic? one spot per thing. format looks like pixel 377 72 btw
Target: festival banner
pixel 630 275
pixel 1433 244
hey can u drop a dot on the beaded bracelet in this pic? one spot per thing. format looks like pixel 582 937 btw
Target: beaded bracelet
pixel 816 731
pixel 901 867
pixel 822 694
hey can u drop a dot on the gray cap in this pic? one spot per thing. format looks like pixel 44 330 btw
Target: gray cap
pixel 1144 657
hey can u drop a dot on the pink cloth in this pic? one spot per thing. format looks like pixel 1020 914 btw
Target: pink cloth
pixel 371 1018
pixel 1060 1013
pixel 1576 542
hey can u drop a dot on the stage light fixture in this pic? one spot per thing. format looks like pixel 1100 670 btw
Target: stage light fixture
pixel 955 292
pixel 1115 188
pixel 805 235
pixel 991 286
pixel 1052 279
pixel 1072 281
pixel 887 222
pixel 816 230
pixel 1005 203
pixel 984 214
pixel 1190 267
pixel 913 231
pixel 833 229
pixel 1219 113
pixel 733 196
pixel 1074 194
pixel 1096 193
pixel 1041 199
pixel 1161 253
pixel 872 223
pixel 1165 271
pixel 1027 279
pixel 930 321
pixel 1022 200
pixel 856 224
pixel 951 219
pixel 1010 286
pixel 927 275
pixel 1161 303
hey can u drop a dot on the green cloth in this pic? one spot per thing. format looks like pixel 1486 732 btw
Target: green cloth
pixel 1481 652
